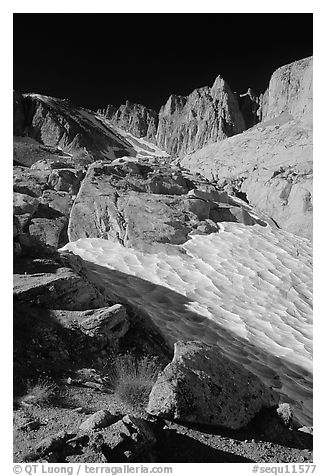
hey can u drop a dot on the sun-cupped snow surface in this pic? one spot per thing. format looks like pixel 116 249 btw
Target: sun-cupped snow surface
pixel 246 289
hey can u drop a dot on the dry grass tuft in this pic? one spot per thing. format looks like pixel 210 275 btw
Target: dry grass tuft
pixel 132 379
pixel 40 393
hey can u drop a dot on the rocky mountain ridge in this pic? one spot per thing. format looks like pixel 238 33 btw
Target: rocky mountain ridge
pixel 58 123
pixel 187 123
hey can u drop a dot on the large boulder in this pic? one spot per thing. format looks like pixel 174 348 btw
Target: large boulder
pixel 58 201
pixel 30 182
pixel 105 327
pixel 201 385
pixel 48 231
pixel 108 324
pixel 137 205
pixel 24 204
pixel 64 180
pixel 56 286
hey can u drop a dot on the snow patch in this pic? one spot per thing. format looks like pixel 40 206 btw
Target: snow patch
pixel 247 290
pixel 143 147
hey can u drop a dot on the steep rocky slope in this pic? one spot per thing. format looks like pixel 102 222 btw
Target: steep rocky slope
pixel 58 123
pixel 272 162
pixel 290 90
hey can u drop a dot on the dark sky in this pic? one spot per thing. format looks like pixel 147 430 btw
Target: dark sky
pixel 99 59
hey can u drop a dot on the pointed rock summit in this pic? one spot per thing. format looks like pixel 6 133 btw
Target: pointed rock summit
pixel 187 123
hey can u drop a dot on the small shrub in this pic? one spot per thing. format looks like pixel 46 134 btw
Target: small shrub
pixel 40 393
pixel 132 379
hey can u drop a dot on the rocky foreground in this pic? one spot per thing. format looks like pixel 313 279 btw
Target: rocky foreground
pixel 193 236
pixel 74 333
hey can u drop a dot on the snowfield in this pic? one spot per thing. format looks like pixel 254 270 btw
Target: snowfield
pixel 247 289
pixel 141 146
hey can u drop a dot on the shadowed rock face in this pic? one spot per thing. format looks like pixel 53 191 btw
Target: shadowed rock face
pixel 249 104
pixel 18 115
pixel 57 123
pixel 134 118
pixel 61 319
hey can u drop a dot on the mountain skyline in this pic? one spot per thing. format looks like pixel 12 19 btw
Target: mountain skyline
pixel 100 59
